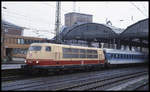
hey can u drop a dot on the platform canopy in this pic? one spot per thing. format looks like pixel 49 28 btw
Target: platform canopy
pixel 7 25
pixel 138 30
pixel 90 31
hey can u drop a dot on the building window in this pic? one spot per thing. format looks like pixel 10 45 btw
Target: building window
pixel 14 51
pixel 25 41
pixel 28 41
pixel 22 41
pixel 18 40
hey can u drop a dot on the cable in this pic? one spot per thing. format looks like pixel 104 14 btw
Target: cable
pixel 24 16
pixel 27 20
pixel 16 19
pixel 144 7
pixel 55 7
pixel 138 8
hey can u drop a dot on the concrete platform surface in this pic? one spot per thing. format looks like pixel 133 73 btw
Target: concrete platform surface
pixel 10 66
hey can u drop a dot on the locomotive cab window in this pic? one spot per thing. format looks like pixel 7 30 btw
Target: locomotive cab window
pixel 48 48
pixel 35 48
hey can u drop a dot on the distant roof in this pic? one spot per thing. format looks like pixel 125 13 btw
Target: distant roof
pixel 11 25
pixel 138 30
pixel 78 13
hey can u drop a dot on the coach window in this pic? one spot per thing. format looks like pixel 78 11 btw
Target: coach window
pixel 127 56
pixel 133 56
pixel 114 55
pixel 111 56
pixel 48 48
pixel 120 55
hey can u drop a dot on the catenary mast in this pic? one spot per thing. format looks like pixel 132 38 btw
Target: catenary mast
pixel 57 21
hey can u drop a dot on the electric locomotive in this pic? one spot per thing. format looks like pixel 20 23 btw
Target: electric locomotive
pixel 56 57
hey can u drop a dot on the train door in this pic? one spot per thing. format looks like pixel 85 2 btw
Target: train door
pixel 48 52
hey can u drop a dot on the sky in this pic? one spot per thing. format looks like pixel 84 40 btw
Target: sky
pixel 41 15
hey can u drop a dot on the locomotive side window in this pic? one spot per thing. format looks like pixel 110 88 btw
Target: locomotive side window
pixel 48 48
pixel 67 55
pixel 75 55
pixel 34 48
pixel 82 56
pixel 70 53
pixel 92 54
pixel 82 51
pixel 66 50
pixel 95 56
pixel 74 50
pixel 79 53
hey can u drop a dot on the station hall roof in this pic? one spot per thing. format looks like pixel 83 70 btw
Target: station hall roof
pixel 90 31
pixel 138 30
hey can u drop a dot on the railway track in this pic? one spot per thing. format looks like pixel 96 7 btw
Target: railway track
pixel 17 77
pixel 142 86
pixel 17 74
pixel 64 82
pixel 100 84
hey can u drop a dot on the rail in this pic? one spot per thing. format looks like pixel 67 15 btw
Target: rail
pixel 102 82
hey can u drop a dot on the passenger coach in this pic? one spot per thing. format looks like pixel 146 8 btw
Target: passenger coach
pixel 117 57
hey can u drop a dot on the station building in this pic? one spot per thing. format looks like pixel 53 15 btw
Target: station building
pixel 14 44
pixel 77 18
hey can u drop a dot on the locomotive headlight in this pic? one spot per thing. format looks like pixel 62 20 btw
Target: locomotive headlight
pixel 37 61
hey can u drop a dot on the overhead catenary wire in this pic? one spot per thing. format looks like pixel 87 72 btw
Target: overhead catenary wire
pixel 138 8
pixel 25 18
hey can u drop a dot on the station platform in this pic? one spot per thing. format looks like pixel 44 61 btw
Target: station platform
pixel 10 66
